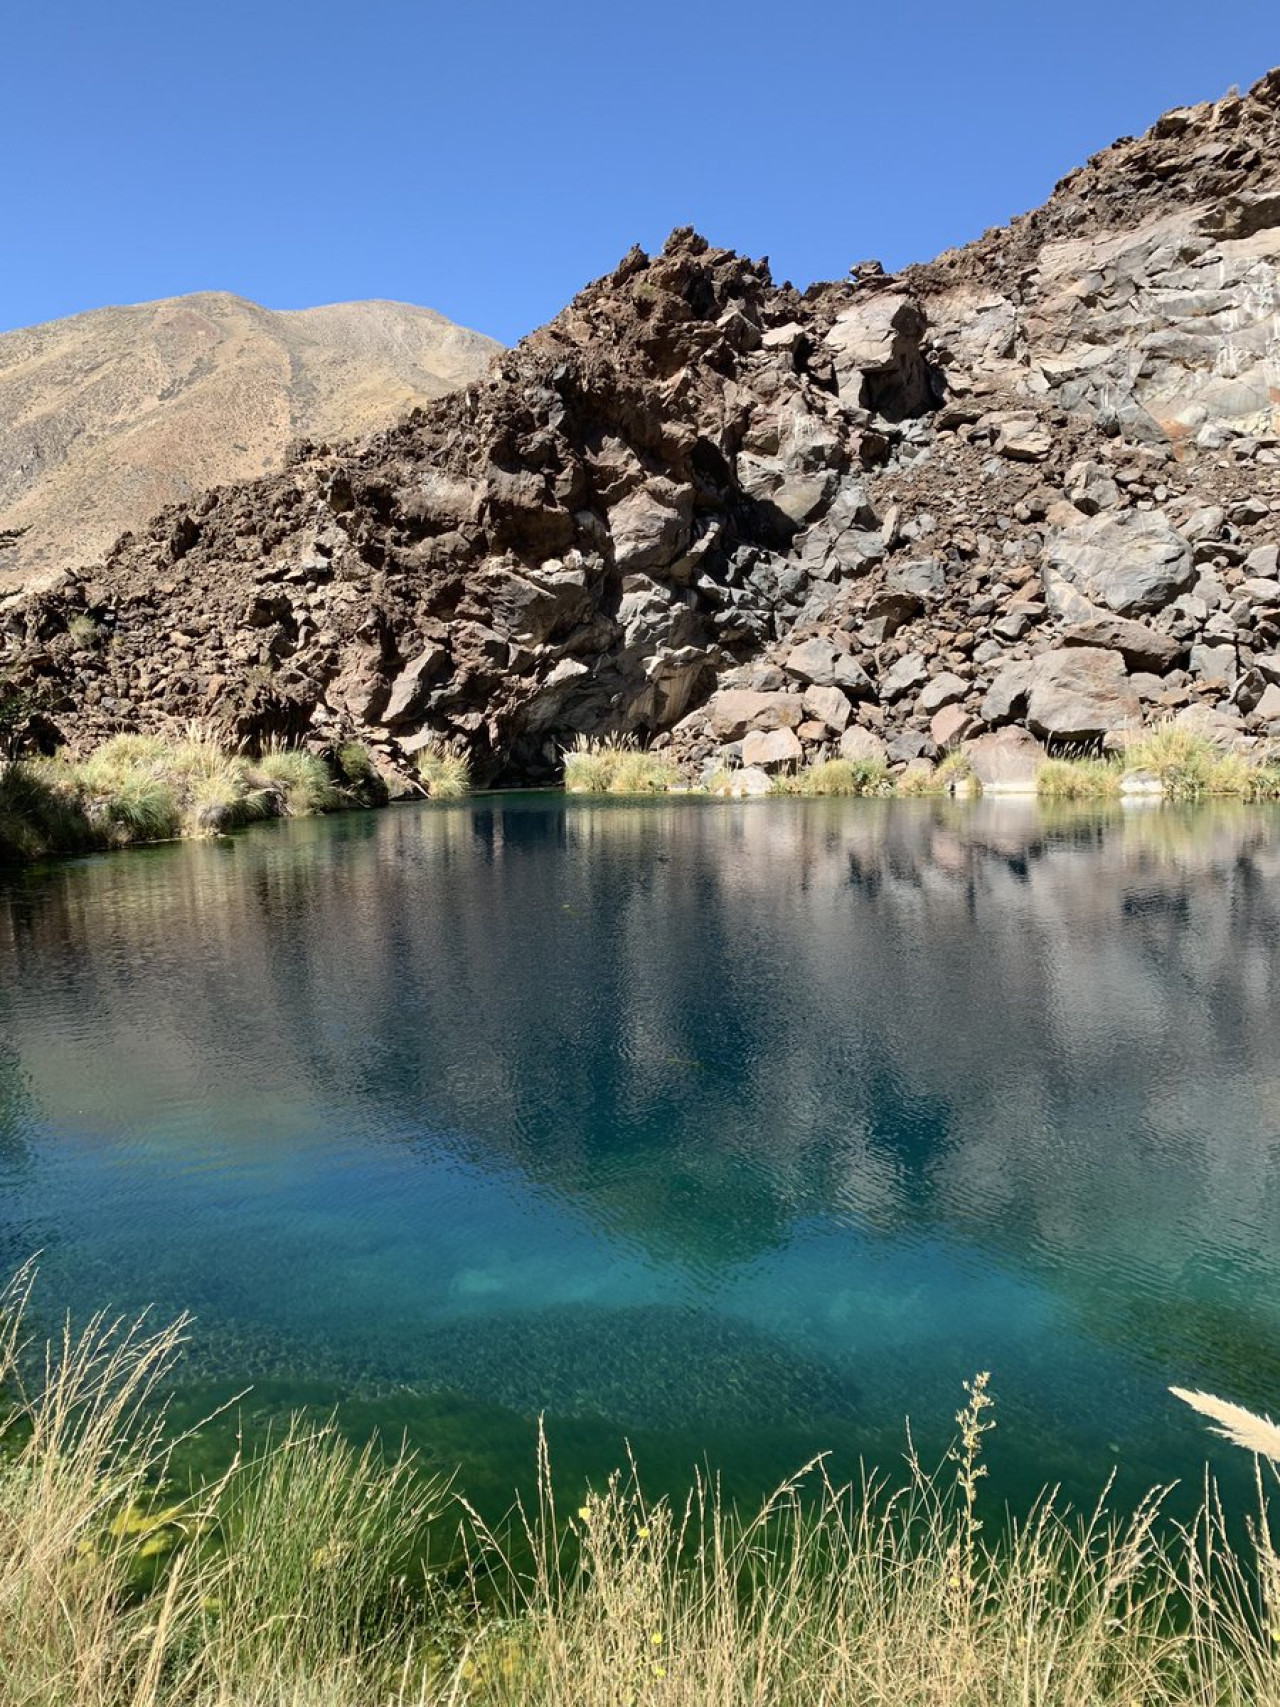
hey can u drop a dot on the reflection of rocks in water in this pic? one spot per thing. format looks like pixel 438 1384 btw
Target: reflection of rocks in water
pixel 1046 1036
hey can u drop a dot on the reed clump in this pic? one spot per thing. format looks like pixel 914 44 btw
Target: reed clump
pixel 616 765
pixel 1191 767
pixel 153 788
pixel 306 1575
pixel 1078 779
pixel 444 774
pixel 838 778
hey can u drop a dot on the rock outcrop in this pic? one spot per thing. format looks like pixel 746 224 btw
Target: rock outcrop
pixel 1033 486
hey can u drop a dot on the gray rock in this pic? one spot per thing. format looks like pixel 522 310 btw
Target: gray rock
pixel 923 578
pixel 1080 694
pixel 908 744
pixel 1224 728
pixel 410 688
pixel 1006 699
pixel 1204 523
pixel 650 526
pixel 858 743
pixel 829 706
pixel 1263 561
pixel 1142 648
pixel 901 677
pixel 942 690
pixel 771 750
pixel 1023 438
pixel 1215 664
pixel 950 726
pixel 875 350
pixel 1005 761
pixel 1013 624
pixel 825 664
pixel 1091 488
pixel 732 712
pixel 1128 563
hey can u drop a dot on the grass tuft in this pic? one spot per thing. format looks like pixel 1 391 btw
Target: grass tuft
pixel 298 1578
pixel 1078 779
pixel 302 779
pixel 152 788
pixel 445 775
pixel 839 778
pixel 616 765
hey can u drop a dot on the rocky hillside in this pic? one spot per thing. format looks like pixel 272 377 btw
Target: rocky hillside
pixel 106 417
pixel 1034 484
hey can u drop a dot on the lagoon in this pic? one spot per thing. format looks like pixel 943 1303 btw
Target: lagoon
pixel 732 1131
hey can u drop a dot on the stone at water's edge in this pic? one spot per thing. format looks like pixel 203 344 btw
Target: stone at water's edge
pixel 697 501
pixel 1005 762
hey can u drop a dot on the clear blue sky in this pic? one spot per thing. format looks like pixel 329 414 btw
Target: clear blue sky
pixel 488 158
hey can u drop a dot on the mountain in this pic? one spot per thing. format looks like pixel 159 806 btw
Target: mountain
pixel 106 417
pixel 1028 492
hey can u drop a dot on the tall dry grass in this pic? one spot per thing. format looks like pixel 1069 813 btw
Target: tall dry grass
pixel 615 764
pixel 150 788
pixel 303 1576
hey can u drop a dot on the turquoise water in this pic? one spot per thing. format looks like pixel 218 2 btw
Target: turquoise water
pixel 734 1131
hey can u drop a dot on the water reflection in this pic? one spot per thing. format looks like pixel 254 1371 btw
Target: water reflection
pixel 775 1115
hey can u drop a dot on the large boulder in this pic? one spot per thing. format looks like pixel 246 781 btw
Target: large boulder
pixel 1142 648
pixel 771 750
pixel 827 665
pixel 650 526
pixel 1005 761
pixel 857 744
pixel 734 711
pixel 829 706
pixel 875 350
pixel 1128 563
pixel 411 686
pixel 1080 694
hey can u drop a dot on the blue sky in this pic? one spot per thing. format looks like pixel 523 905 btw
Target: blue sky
pixel 488 158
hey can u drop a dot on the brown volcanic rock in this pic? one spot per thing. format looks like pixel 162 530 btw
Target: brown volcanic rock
pixel 108 416
pixel 694 483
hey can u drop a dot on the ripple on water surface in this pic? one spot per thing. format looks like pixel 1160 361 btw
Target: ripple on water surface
pixel 740 1130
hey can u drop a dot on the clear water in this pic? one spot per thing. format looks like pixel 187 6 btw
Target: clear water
pixel 735 1131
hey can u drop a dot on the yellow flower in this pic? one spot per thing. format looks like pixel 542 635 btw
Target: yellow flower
pixel 659 1671
pixel 643 1532
pixel 584 1512
pixel 656 1638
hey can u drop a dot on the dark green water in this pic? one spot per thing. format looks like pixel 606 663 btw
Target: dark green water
pixel 735 1131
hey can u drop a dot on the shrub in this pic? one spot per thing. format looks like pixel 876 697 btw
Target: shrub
pixel 38 817
pixel 302 778
pixel 1078 779
pixel 615 765
pixel 445 775
pixel 147 788
pixel 919 781
pixel 841 777
pixel 359 776
pixel 1181 760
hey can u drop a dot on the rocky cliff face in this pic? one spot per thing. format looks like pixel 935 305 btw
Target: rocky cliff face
pixel 1034 483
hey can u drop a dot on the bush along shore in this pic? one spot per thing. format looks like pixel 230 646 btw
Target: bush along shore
pixel 1166 761
pixel 312 1573
pixel 151 788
